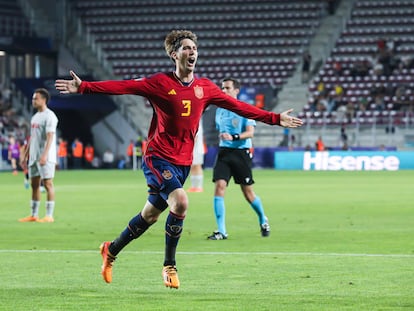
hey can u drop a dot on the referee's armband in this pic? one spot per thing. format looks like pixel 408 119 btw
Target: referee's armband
pixel 236 136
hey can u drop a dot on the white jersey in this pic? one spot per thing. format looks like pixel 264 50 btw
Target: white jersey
pixel 42 123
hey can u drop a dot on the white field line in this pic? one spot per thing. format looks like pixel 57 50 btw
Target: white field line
pixel 288 254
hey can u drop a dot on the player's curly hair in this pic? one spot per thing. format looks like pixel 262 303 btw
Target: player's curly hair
pixel 173 40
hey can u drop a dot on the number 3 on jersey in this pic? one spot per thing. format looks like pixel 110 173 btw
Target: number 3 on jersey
pixel 187 107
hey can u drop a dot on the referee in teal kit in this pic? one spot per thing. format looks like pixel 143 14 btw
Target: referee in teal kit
pixel 234 159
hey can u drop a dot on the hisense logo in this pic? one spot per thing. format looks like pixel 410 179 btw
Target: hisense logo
pixel 322 161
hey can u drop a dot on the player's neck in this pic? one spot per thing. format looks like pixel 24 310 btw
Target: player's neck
pixel 41 108
pixel 184 77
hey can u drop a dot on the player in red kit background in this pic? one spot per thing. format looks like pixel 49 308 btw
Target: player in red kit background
pixel 178 98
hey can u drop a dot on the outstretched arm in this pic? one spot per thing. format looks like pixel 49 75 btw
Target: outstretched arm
pixel 251 112
pixel 68 86
pixel 220 99
pixel 109 87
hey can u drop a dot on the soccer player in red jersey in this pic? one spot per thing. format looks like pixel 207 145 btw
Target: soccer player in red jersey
pixel 178 99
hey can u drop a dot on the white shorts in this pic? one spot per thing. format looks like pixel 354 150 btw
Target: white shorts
pixel 198 158
pixel 46 171
pixel 198 151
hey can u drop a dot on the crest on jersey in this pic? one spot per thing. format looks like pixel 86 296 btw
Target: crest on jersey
pixel 198 91
pixel 167 175
pixel 235 122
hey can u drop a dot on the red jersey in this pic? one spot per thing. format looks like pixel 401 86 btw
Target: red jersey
pixel 177 110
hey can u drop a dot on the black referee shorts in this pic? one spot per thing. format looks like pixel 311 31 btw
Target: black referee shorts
pixel 236 163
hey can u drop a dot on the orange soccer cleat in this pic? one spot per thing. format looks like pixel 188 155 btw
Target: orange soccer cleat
pixel 195 189
pixel 170 276
pixel 29 219
pixel 107 263
pixel 46 219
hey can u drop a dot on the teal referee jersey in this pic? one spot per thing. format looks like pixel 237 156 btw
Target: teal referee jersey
pixel 230 122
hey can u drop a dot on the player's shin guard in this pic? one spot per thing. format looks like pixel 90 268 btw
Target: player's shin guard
pixel 136 227
pixel 173 229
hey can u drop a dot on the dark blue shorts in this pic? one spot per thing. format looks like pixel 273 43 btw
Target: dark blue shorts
pixel 163 177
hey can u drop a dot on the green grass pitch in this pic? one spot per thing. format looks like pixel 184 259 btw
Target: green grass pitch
pixel 339 241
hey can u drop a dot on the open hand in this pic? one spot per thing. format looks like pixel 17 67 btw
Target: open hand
pixel 68 86
pixel 286 120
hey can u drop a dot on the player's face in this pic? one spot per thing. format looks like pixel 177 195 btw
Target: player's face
pixel 228 88
pixel 187 55
pixel 38 102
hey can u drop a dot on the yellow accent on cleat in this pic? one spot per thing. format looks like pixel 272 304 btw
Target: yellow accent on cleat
pixel 107 262
pixel 29 219
pixel 170 276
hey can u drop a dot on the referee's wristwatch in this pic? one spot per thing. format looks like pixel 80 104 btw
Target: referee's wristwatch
pixel 236 136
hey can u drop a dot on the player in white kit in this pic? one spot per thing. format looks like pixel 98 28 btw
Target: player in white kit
pixel 40 156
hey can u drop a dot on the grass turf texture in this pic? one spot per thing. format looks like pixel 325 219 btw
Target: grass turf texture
pixel 339 241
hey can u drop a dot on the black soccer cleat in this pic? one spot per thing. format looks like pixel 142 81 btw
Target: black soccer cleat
pixel 265 229
pixel 217 236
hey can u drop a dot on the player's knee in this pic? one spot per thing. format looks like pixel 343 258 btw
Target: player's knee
pixel 179 203
pixel 151 218
pixel 48 186
pixel 183 200
pixel 150 213
pixel 220 188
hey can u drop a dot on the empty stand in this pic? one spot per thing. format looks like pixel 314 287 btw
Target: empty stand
pixel 257 41
pixel 12 20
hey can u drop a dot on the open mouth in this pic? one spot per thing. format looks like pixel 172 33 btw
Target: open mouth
pixel 191 60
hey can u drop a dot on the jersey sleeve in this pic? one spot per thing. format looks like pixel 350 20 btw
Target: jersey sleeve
pixel 51 123
pixel 220 99
pixel 140 87
pixel 250 122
